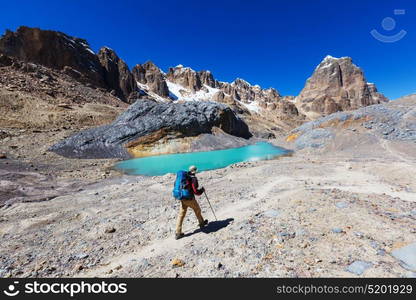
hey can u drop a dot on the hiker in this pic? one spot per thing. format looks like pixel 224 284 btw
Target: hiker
pixel 190 201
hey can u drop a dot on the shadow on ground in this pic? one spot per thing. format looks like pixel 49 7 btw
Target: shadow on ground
pixel 213 226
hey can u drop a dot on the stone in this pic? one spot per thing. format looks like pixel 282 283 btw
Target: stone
pixel 359 267
pixel 337 230
pixel 81 255
pixel 341 204
pixel 176 263
pixel 374 244
pixel 110 230
pixel 78 268
pixel 359 234
pixel 287 235
pixel 271 213
pixel 407 256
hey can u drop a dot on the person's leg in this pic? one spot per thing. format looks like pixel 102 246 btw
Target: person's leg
pixel 181 217
pixel 195 206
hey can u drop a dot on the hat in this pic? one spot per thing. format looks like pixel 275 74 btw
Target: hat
pixel 192 169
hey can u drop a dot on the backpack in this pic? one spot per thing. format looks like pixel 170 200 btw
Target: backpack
pixel 180 189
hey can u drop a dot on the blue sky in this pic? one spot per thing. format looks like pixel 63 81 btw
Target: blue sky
pixel 271 43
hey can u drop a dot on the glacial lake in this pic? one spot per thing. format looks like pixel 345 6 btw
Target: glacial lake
pixel 171 163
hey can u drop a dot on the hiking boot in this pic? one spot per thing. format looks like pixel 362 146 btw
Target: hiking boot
pixel 179 235
pixel 203 224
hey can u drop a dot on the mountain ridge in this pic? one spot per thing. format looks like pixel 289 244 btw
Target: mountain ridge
pixel 150 79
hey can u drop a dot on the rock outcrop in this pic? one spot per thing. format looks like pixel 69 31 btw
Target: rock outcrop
pixel 186 77
pixel 150 75
pixel 117 75
pixel 207 78
pixel 336 85
pixel 71 55
pixel 54 50
pixel 147 122
pixel 394 121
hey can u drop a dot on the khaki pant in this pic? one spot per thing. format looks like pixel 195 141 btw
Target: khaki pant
pixel 182 212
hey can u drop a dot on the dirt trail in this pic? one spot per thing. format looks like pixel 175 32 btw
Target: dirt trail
pixel 158 247
pixel 397 155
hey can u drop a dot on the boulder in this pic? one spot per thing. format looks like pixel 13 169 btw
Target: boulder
pixel 146 122
pixel 359 267
pixel 407 256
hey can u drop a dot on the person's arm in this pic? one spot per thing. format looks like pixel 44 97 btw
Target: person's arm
pixel 195 189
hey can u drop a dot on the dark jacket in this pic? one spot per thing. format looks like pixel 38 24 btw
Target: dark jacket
pixel 193 185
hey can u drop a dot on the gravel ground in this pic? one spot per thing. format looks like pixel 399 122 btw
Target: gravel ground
pixel 300 216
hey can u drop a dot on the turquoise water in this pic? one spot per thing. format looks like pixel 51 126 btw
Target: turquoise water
pixel 171 163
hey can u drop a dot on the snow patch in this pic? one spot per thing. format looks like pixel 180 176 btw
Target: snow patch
pixel 252 106
pixel 329 57
pixel 89 50
pixel 178 92
pixel 145 87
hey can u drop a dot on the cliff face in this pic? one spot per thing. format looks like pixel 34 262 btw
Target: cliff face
pixel 117 75
pixel 145 123
pixel 149 74
pixel 337 85
pixel 55 50
pixel 72 55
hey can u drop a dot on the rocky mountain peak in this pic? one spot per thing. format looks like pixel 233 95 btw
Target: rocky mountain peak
pixel 117 75
pixel 150 75
pixel 73 56
pixel 186 77
pixel 241 83
pixel 337 84
pixel 53 49
pixel 208 79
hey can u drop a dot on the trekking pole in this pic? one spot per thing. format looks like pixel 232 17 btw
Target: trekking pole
pixel 210 206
